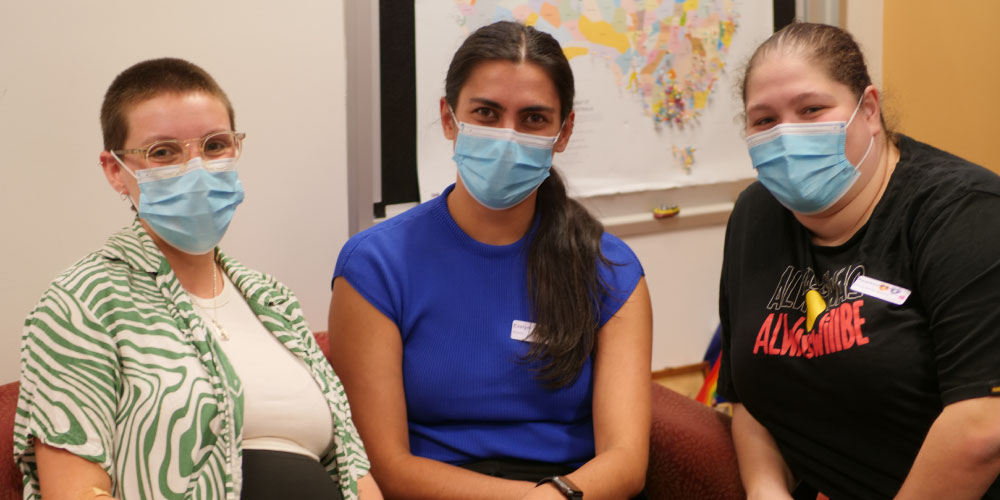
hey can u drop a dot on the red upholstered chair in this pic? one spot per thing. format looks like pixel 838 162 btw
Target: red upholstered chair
pixel 323 339
pixel 691 454
pixel 10 476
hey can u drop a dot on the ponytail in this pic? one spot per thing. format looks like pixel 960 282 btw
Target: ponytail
pixel 563 284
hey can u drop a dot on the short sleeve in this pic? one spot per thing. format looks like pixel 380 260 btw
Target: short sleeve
pixel 621 276
pixel 69 385
pixel 958 282
pixel 365 265
pixel 724 386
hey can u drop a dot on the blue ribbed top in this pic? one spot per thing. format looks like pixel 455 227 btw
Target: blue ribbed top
pixel 454 299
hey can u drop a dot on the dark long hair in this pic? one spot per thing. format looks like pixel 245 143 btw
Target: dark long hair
pixel 562 277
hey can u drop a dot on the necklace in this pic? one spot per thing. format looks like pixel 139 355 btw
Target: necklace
pixel 215 309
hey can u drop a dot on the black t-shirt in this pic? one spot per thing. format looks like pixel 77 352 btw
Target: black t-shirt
pixel 849 385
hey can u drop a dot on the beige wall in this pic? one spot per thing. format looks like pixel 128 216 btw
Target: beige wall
pixel 682 272
pixel 941 74
pixel 863 18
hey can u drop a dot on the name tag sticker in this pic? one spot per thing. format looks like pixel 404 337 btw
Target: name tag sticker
pixel 880 290
pixel 522 330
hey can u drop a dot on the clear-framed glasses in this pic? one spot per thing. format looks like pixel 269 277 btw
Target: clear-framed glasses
pixel 215 146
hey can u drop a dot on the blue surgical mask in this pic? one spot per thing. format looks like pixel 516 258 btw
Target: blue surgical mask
pixel 500 167
pixel 189 206
pixel 805 165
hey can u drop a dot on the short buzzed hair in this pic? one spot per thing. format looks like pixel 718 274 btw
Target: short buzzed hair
pixel 149 79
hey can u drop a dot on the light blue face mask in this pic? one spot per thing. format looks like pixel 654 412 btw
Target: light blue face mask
pixel 190 211
pixel 500 167
pixel 804 165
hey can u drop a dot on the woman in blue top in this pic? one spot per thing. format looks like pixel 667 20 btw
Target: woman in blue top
pixel 495 337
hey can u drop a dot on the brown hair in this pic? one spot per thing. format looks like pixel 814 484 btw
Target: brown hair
pixel 146 80
pixel 565 251
pixel 829 47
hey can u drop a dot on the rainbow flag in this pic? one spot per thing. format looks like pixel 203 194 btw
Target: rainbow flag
pixel 708 395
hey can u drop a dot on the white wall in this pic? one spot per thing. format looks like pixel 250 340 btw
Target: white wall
pixel 682 272
pixel 864 21
pixel 282 65
pixel 682 258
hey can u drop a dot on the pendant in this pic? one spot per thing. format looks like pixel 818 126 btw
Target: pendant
pixel 219 330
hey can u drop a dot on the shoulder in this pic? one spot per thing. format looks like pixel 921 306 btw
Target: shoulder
pixel 755 194
pixel 622 269
pixel 249 280
pixel 274 304
pixel 618 252
pixel 930 174
pixel 930 185
pixel 619 273
pixel 74 317
pixel 756 210
pixel 95 266
pixel 83 298
pixel 89 282
pixel 395 236
pixel 756 200
pixel 258 286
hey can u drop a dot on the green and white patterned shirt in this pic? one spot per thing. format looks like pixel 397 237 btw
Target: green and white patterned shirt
pixel 117 367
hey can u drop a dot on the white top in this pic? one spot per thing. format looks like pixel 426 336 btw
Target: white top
pixel 284 409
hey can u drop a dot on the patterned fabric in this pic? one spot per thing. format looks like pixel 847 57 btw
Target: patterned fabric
pixel 117 367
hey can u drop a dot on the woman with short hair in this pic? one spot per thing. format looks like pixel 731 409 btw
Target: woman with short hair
pixel 158 367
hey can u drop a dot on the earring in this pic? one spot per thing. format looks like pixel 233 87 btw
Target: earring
pixel 124 195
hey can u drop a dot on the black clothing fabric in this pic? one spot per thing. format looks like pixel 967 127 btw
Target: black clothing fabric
pixel 849 397
pixel 525 470
pixel 269 474
pixel 518 470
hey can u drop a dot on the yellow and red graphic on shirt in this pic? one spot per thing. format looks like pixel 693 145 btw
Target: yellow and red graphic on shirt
pixel 813 315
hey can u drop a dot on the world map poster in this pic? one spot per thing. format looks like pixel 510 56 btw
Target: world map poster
pixel 657 104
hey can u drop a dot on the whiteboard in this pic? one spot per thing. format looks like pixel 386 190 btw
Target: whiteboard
pixel 617 145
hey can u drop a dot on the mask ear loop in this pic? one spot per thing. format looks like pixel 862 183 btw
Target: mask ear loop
pixel 126 195
pixel 453 118
pixel 863 158
pixel 122 165
pixel 856 108
pixel 559 134
pixel 870 142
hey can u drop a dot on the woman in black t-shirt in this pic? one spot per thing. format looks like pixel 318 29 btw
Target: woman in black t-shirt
pixel 860 290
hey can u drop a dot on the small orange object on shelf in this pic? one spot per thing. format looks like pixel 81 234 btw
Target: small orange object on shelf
pixel 664 211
